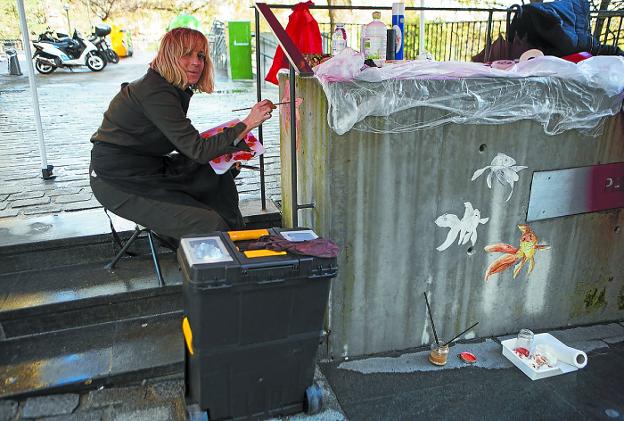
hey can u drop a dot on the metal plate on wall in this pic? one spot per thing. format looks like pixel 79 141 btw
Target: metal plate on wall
pixel 576 190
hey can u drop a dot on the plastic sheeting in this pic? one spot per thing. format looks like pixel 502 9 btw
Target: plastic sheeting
pixel 558 94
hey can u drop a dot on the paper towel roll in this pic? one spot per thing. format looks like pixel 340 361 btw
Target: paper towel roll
pixel 531 54
pixel 569 355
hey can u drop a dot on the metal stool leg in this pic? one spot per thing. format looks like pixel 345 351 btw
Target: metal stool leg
pixel 134 236
pixel 150 239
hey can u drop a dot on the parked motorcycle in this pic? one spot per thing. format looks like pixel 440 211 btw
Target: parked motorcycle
pixel 62 51
pixel 98 38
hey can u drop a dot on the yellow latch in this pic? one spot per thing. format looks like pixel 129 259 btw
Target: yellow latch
pixel 247 234
pixel 188 334
pixel 250 254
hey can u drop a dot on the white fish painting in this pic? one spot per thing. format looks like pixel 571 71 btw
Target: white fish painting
pixel 465 229
pixel 505 170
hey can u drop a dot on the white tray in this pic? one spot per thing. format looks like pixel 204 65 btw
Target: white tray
pixel 526 368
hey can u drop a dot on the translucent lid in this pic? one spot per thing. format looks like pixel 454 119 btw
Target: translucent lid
pixel 205 250
pixel 377 15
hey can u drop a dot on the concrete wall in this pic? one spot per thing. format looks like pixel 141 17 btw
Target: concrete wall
pixel 378 196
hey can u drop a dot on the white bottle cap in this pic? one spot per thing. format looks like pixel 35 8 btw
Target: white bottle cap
pixel 398 8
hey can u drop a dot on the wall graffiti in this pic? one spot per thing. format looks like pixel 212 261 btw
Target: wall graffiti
pixel 464 229
pixel 519 256
pixel 504 169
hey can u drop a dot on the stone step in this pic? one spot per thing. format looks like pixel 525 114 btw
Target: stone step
pixel 67 323
pixel 41 301
pixel 108 354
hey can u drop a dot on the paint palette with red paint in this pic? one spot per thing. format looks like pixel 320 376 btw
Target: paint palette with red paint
pixel 223 163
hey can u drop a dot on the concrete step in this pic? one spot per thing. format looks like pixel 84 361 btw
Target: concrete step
pixel 67 323
pixel 106 354
pixel 41 301
pixel 82 326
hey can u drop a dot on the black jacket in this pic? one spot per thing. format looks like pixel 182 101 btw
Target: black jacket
pixel 145 122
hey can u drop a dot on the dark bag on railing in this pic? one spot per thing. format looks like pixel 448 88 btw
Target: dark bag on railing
pixel 558 28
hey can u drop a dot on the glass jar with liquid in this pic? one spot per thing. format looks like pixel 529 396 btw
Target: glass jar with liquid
pixel 438 354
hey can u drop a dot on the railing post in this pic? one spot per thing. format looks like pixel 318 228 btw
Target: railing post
pixel 488 36
pixel 293 149
pixel 259 97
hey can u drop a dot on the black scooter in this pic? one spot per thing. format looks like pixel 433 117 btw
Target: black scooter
pixel 98 38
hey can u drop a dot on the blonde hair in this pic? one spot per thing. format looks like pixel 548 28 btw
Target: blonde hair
pixel 175 44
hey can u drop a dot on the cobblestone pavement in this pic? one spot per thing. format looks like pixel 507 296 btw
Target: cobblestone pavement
pixel 72 104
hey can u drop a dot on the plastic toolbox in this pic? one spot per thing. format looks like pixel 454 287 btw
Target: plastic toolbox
pixel 252 324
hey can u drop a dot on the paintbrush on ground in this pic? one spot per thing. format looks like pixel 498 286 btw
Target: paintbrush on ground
pixel 249 108
pixel 459 334
pixel 435 334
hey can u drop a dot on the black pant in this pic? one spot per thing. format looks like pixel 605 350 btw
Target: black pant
pixel 170 219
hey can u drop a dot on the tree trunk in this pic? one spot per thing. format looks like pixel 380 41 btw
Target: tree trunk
pixel 337 15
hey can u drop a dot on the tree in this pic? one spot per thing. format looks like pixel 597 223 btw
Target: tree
pixel 36 18
pixel 336 15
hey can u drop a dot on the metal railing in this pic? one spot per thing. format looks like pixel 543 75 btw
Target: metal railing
pixel 608 27
pixel 218 45
pixel 268 45
pixel 462 40
pixel 443 40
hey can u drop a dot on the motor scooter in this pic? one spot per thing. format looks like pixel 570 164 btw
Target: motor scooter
pixel 52 53
pixel 98 38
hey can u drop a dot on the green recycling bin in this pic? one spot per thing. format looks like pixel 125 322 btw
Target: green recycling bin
pixel 239 33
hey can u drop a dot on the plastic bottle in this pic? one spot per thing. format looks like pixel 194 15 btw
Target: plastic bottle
pixel 373 43
pixel 339 39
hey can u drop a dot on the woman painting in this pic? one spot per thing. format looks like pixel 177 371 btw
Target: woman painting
pixel 150 165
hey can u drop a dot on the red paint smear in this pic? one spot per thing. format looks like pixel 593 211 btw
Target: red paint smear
pixel 468 357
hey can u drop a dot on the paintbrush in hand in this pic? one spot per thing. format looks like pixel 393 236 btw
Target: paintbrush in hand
pixel 249 108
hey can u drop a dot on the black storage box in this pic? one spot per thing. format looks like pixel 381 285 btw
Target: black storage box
pixel 102 29
pixel 252 325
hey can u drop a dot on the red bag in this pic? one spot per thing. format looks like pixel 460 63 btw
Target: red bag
pixel 304 31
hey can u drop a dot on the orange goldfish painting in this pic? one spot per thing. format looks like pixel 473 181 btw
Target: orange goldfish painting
pixel 526 252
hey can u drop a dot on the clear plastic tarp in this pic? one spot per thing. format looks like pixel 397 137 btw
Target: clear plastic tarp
pixel 558 94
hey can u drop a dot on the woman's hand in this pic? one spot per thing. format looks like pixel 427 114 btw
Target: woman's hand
pixel 260 113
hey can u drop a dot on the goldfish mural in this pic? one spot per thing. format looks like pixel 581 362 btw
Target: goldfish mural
pixel 519 256
pixel 504 169
pixel 464 229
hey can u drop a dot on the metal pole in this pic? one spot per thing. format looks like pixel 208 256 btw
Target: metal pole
pixel 421 35
pixel 488 39
pixel 46 170
pixel 293 149
pixel 259 97
pixel 89 13
pixel 69 33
